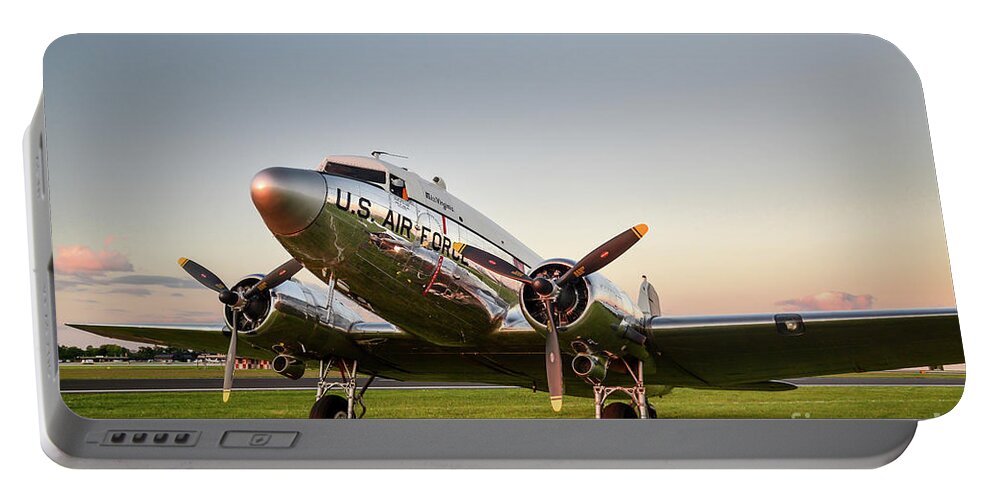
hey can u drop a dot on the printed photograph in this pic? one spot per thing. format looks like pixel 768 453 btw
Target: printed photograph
pixel 496 226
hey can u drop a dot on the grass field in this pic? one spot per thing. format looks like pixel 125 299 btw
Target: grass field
pixel 805 402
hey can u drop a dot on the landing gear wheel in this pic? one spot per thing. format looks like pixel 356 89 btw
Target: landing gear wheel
pixel 618 410
pixel 652 413
pixel 330 406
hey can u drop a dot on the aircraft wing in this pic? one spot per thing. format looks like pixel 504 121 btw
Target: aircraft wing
pixel 730 350
pixel 205 338
pixel 342 339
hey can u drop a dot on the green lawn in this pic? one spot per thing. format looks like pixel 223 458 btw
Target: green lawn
pixel 805 402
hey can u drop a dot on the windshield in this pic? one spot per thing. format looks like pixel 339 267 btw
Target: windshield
pixel 359 173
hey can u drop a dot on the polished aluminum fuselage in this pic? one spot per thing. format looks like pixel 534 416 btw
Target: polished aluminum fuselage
pixel 454 320
pixel 395 257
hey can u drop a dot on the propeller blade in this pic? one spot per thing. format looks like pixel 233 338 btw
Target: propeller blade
pixel 553 361
pixel 491 262
pixel 202 275
pixel 276 277
pixel 229 360
pixel 604 254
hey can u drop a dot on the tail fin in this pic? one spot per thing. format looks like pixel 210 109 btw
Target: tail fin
pixel 648 299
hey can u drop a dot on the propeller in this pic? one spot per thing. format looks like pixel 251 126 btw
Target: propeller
pixel 276 277
pixel 491 262
pixel 604 254
pixel 553 360
pixel 548 290
pixel 237 301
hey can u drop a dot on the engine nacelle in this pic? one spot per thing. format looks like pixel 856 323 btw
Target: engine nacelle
pixel 593 310
pixel 289 366
pixel 292 319
pixel 290 297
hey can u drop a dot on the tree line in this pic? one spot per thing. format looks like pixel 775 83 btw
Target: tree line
pixel 144 353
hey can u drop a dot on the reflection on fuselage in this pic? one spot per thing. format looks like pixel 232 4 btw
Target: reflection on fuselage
pixel 396 257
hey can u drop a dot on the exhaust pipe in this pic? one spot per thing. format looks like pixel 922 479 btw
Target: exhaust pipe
pixel 288 366
pixel 590 366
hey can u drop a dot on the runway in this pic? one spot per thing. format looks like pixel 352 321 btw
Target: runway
pixel 310 384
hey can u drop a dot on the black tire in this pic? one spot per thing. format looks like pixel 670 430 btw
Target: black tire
pixel 652 413
pixel 618 410
pixel 330 406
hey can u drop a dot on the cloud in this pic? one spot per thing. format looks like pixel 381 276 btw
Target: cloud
pixel 96 281
pixel 81 260
pixel 828 301
pixel 137 292
pixel 153 279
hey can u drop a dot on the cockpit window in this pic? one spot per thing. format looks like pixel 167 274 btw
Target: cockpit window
pixel 359 173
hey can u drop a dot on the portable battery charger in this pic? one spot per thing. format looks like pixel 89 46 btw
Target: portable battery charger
pixel 559 251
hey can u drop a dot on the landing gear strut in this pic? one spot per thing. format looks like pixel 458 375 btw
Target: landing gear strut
pixel 639 399
pixel 332 405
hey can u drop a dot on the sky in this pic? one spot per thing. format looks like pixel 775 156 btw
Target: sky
pixel 775 173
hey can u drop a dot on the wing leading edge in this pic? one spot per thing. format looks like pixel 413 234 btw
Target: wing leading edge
pixel 215 338
pixel 206 338
pixel 731 350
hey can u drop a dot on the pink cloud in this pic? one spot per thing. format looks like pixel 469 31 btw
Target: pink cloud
pixel 828 301
pixel 81 259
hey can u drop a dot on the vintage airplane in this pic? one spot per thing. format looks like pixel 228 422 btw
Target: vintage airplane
pixel 466 301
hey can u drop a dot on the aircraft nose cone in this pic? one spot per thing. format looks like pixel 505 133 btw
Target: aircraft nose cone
pixel 288 199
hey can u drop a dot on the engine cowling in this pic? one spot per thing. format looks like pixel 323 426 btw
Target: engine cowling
pixel 591 311
pixel 293 319
pixel 255 312
pixel 290 297
pixel 572 302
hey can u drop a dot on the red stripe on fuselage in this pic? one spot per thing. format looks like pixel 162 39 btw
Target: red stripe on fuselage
pixel 441 259
pixel 434 275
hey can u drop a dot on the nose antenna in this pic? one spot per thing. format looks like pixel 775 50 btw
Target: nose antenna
pixel 377 154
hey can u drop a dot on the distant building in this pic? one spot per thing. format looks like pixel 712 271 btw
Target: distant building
pixel 250 364
pixel 210 359
pixel 89 360
pixel 239 363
